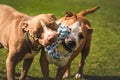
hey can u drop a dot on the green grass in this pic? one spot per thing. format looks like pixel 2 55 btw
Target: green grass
pixel 103 60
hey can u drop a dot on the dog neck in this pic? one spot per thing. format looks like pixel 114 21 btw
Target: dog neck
pixel 32 43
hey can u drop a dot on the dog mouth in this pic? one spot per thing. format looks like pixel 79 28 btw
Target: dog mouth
pixel 65 44
pixel 69 46
pixel 45 42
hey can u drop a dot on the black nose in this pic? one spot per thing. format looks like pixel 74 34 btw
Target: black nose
pixel 71 43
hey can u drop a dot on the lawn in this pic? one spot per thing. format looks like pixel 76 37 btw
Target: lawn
pixel 103 62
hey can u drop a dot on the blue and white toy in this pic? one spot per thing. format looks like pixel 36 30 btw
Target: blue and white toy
pixel 51 50
pixel 64 31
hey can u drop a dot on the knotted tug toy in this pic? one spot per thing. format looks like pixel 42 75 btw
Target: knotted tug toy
pixel 52 50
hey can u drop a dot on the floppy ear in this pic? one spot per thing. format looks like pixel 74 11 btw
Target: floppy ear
pixel 89 29
pixel 25 26
pixel 52 16
pixel 69 14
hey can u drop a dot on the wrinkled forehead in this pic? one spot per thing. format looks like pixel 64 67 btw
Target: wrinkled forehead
pixel 47 17
pixel 44 17
pixel 42 22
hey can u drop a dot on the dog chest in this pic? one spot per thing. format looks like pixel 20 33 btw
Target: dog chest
pixel 60 63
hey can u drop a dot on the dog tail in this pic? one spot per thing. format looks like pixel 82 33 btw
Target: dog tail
pixel 85 12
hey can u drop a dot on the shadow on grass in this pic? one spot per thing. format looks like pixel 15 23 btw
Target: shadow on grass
pixel 31 77
pixel 86 77
pixel 3 76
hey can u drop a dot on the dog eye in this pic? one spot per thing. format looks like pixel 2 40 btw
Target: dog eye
pixel 53 26
pixel 40 29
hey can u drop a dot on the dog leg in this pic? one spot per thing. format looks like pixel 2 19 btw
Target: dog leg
pixel 44 65
pixel 10 66
pixel 26 64
pixel 84 54
pixel 81 66
pixel 67 73
pixel 11 63
pixel 60 73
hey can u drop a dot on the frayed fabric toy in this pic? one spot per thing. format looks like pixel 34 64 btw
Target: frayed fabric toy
pixel 51 50
pixel 64 31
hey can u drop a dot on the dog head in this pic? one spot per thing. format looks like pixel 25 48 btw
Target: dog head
pixel 71 40
pixel 42 28
pixel 60 51
pixel 70 20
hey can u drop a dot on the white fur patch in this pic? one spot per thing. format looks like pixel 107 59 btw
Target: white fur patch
pixel 75 28
pixel 47 31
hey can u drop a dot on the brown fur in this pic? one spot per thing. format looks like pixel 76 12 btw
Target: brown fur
pixel 84 45
pixel 22 34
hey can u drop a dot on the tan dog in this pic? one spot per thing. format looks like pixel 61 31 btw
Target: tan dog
pixel 83 44
pixel 23 36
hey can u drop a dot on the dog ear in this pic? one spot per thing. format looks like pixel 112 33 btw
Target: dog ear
pixel 89 29
pixel 69 14
pixel 52 16
pixel 25 26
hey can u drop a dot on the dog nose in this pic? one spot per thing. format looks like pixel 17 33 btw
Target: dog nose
pixel 71 42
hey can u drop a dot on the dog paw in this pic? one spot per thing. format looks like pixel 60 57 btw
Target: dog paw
pixel 66 75
pixel 78 76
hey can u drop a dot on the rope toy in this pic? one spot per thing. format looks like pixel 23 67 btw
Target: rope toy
pixel 51 50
